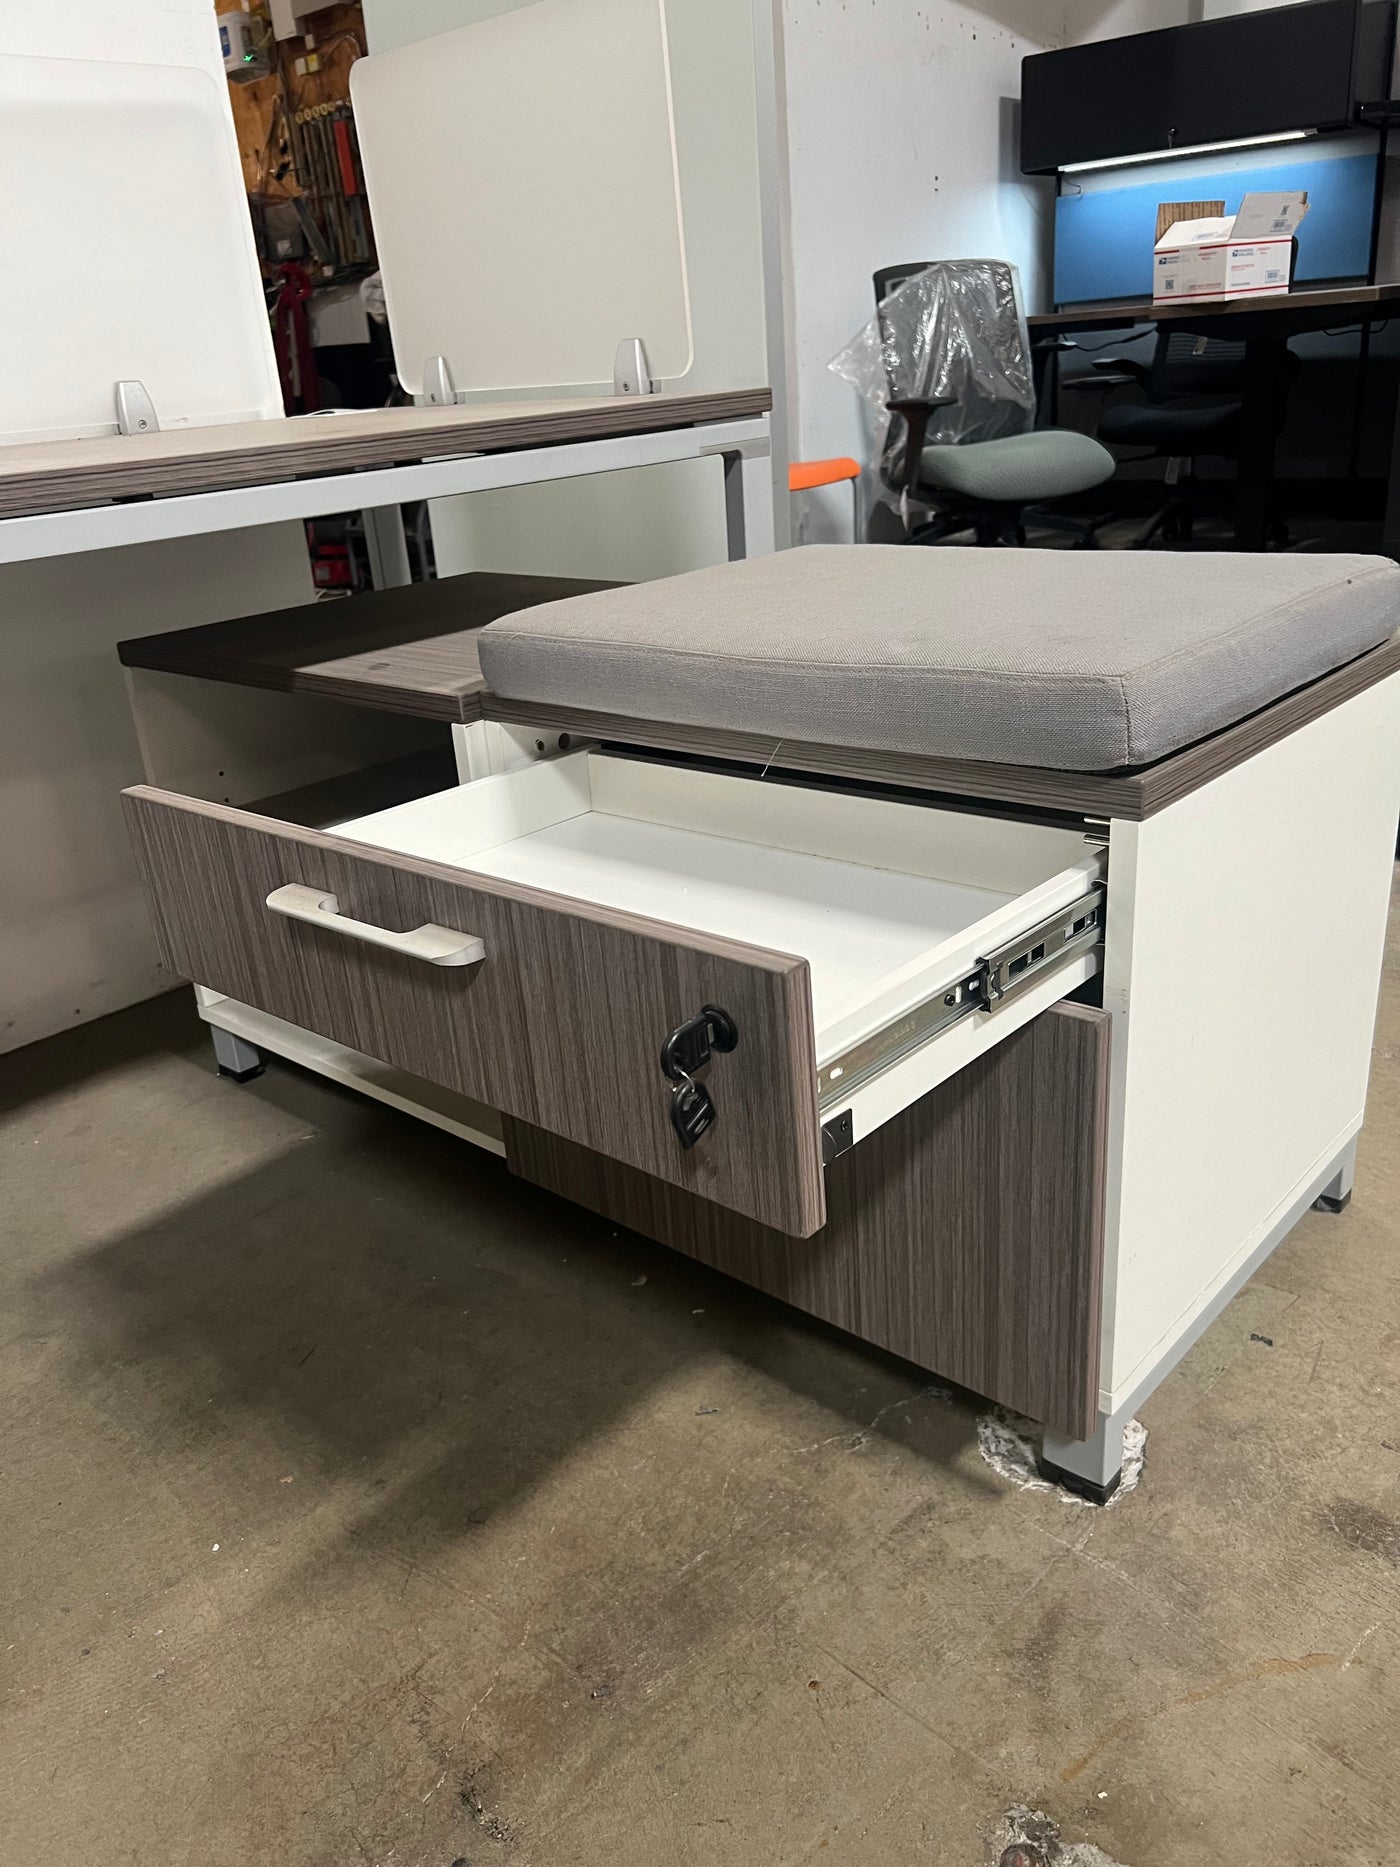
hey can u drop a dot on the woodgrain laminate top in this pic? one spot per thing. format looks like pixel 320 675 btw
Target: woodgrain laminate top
pixel 408 650
pixel 56 476
pixel 1297 306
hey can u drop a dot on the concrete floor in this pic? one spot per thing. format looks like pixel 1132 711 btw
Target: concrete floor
pixel 363 1505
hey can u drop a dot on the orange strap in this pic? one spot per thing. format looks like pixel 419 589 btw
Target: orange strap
pixel 803 475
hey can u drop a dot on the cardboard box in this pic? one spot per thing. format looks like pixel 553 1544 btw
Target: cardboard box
pixel 1230 256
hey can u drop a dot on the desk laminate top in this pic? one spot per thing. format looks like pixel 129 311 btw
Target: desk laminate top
pixel 407 650
pixel 55 476
pixel 1291 304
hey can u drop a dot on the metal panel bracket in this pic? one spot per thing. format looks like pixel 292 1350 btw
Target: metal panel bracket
pixel 631 370
pixel 439 390
pixel 136 412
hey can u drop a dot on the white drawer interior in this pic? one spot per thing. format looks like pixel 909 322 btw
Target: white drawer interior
pixel 885 900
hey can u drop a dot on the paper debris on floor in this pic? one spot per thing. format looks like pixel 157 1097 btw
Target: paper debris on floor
pixel 1010 1445
pixel 1026 1838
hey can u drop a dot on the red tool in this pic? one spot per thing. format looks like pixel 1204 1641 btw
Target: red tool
pixel 291 338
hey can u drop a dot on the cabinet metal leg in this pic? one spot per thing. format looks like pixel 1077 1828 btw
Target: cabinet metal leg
pixel 387 544
pixel 1091 1468
pixel 235 1058
pixel 1336 1195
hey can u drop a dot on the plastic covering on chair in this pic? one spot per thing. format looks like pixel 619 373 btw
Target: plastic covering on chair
pixel 955 331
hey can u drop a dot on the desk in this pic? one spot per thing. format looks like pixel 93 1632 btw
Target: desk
pixel 1264 326
pixel 85 495
pixel 605 892
pixel 75 935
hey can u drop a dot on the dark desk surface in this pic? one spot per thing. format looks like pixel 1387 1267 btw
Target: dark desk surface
pixel 1293 306
pixel 407 650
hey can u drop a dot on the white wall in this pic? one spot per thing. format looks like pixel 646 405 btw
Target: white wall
pixel 902 137
pixel 1108 19
pixel 75 941
pixel 903 129
pixel 664 519
pixel 1219 9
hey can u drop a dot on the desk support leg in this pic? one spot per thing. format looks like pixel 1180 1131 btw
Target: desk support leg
pixel 1093 1467
pixel 387 546
pixel 235 1058
pixel 749 518
pixel 1263 376
pixel 1336 1195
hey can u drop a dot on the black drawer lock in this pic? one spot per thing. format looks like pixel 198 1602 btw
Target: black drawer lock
pixel 686 1050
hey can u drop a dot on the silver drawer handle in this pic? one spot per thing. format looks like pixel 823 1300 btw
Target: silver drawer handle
pixel 440 946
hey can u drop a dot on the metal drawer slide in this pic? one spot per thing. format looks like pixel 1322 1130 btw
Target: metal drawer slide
pixel 998 977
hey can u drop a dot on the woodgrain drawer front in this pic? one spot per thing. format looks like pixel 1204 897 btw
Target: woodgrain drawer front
pixel 929 935
pixel 559 1024
pixel 966 1235
pixel 533 939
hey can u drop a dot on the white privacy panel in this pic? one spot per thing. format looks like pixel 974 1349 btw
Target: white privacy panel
pixel 127 250
pixel 523 178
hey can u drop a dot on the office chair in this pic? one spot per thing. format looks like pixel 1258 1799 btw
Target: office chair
pixel 989 486
pixel 1195 405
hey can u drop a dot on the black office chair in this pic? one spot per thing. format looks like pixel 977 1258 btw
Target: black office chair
pixel 1195 403
pixel 990 486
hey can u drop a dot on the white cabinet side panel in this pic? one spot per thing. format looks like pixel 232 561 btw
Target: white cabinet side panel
pixel 75 937
pixel 1245 1001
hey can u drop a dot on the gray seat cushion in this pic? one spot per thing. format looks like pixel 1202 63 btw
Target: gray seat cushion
pixel 1076 660
pixel 1045 464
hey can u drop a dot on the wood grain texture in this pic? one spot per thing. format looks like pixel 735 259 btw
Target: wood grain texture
pixel 55 476
pixel 561 1025
pixel 1133 795
pixel 1187 770
pixel 965 1235
pixel 408 650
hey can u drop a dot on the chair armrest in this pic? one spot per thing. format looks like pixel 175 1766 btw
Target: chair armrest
pixel 1099 383
pixel 1125 368
pixel 914 411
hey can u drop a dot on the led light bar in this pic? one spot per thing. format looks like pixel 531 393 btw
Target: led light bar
pixel 1188 149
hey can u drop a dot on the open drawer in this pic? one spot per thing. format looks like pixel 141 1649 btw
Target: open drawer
pixel 532 940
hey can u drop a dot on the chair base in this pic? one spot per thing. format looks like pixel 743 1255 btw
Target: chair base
pixel 990 525
pixel 1175 524
pixel 1175 520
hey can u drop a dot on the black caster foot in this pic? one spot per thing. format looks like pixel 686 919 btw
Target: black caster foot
pixel 1081 1487
pixel 242 1076
pixel 1325 1203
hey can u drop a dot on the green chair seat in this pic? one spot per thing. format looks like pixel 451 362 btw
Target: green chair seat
pixel 1019 469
